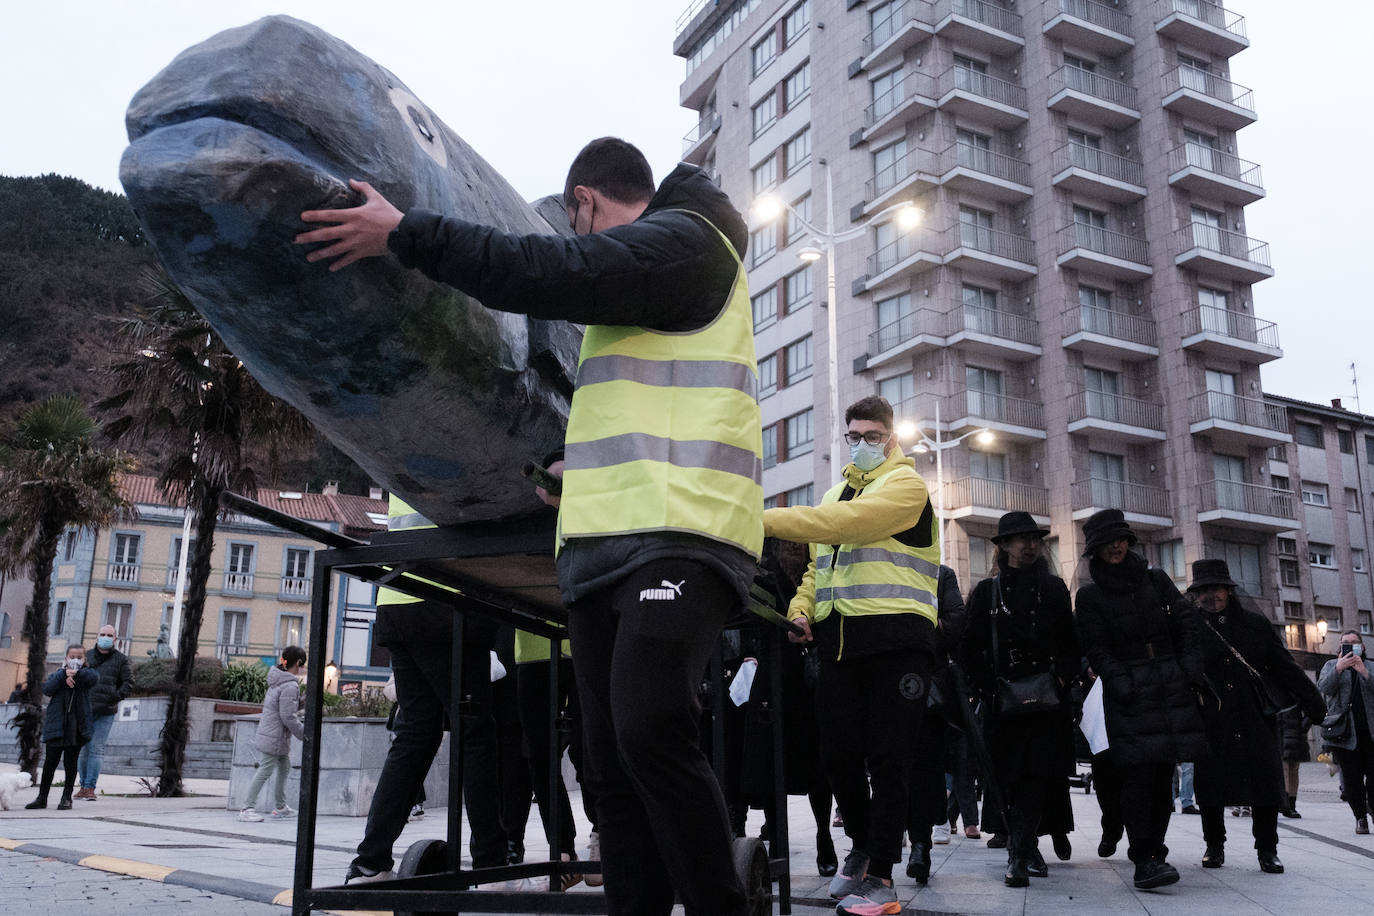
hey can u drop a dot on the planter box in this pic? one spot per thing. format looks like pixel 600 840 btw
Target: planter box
pixel 352 752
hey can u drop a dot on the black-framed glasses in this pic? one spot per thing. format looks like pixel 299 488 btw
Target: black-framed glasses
pixel 872 438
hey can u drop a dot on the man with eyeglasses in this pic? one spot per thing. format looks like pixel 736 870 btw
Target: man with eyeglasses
pixel 660 522
pixel 868 602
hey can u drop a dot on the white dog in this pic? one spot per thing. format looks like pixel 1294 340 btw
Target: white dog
pixel 10 784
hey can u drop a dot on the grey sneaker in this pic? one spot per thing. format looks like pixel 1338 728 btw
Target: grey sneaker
pixel 871 898
pixel 248 815
pixel 850 875
pixel 361 874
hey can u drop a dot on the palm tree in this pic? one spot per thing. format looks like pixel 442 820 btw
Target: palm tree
pixel 182 395
pixel 55 474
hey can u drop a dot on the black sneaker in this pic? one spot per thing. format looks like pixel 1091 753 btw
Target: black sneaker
pixel 850 875
pixel 997 841
pixel 1154 873
pixel 1190 809
pixel 362 874
pixel 1214 857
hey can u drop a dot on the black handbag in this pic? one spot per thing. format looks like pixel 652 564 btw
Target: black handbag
pixel 1338 727
pixel 1034 693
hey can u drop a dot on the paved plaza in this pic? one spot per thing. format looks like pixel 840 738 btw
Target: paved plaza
pixel 189 855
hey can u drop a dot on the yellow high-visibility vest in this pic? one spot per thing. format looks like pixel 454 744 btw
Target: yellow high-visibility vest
pixel 664 432
pixel 401 517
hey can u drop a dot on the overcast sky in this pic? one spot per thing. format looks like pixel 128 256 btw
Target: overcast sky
pixel 526 83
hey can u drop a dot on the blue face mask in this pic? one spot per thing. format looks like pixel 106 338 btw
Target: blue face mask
pixel 866 457
pixel 105 642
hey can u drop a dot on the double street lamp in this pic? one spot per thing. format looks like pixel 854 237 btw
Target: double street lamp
pixel 937 446
pixel 822 244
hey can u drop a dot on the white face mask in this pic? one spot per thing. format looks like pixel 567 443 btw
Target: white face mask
pixel 866 457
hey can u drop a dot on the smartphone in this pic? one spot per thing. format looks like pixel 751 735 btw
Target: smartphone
pixel 1347 648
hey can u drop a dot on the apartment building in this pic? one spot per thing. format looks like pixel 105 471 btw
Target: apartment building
pixel 260 585
pixel 1323 584
pixel 1080 285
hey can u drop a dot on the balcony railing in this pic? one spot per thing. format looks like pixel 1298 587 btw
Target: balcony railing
pixel 997 408
pixel 990 241
pixel 982 85
pixel 1249 498
pixel 895 18
pixel 1233 408
pixel 1115 408
pixel 1223 242
pixel 1109 17
pixel 1218 87
pixel 978 159
pixel 988 14
pixel 239 583
pixel 1215 162
pixel 1096 85
pixel 123 573
pixel 908 327
pixel 889 176
pixel 1101 493
pixel 1205 11
pixel 995 323
pixel 904 246
pixel 1091 319
pixel 1105 242
pixel 1099 162
pixel 703 129
pixel 225 650
pixel 1211 319
pixel 295 586
pixel 1001 495
pixel 916 84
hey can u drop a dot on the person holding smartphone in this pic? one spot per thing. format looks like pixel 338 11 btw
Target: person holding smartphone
pixel 66 723
pixel 1349 724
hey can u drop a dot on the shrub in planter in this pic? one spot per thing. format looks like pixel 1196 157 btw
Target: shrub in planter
pixel 245 683
pixel 154 677
pixel 370 705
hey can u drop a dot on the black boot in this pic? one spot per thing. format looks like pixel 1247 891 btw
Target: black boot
pixel 826 861
pixel 918 863
pixel 39 802
pixel 1018 873
pixel 1269 862
pixel 1214 857
pixel 1291 809
pixel 1035 864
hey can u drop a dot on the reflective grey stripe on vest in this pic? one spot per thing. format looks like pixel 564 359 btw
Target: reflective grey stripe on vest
pixel 694 453
pixel 668 373
pixel 409 520
pixel 859 592
pixel 879 555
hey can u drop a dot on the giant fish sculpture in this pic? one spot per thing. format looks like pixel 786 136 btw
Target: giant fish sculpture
pixel 438 398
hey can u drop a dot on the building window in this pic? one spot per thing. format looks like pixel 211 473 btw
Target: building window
pixel 124 559
pixel 1315 494
pixel 295 575
pixel 69 546
pixel 360 612
pixel 1332 616
pixel 798 434
pixel 898 389
pixel 887 92
pixel 799 496
pixel 765 113
pixel 290 631
pixel 797 86
pixel 797 290
pixel 888 165
pixel 763 243
pixel 1346 440
pixel 1352 500
pixel 1295 625
pixel 1366 623
pixel 238 571
pixel 1321 555
pixel 1369 449
pixel 1287 547
pixel 174 560
pixel 1307 434
pixel 765 307
pixel 59 618
pixel 763 53
pixel 120 615
pixel 798 360
pixel 1244 563
pixel 765 175
pixel 796 22
pixel 6 640
pixel 770 445
pixel 768 375
pixel 979 557
pixel 797 152
pixel 893 309
pixel 1279 482
pixel 1288 573
pixel 1171 560
pixel 798 214
pixel 1357 559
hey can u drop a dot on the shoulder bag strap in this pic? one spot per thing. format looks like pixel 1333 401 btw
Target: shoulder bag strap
pixel 1240 658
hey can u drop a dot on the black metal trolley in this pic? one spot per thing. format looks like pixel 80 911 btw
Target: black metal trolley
pixel 505 570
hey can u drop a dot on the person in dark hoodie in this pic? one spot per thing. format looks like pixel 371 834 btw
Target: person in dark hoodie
pixel 660 525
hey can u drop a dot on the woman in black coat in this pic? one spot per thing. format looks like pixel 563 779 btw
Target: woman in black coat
pixel 1029 611
pixel 1246 766
pixel 1141 639
pixel 1293 729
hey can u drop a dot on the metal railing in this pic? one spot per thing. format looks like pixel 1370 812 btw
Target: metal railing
pixel 1102 493
pixel 1214 161
pixel 1109 17
pixel 983 85
pixel 1205 11
pixel 1091 319
pixel 241 583
pixel 1115 408
pixel 1223 242
pixel 1212 319
pixel 915 85
pixel 908 327
pixel 295 586
pixel 978 159
pixel 1233 408
pixel 123 573
pixel 989 14
pixel 997 408
pixel 703 129
pixel 904 246
pixel 1002 495
pixel 1096 85
pixel 1209 84
pixel 1104 241
pixel 889 176
pixel 990 241
pixel 995 323
pixel 1099 162
pixel 224 651
pixel 896 18
pixel 1250 498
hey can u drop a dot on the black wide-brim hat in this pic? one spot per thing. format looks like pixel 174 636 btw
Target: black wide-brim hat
pixel 1106 526
pixel 1014 523
pixel 1211 572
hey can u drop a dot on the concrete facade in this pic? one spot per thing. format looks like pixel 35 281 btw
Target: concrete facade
pixel 1082 281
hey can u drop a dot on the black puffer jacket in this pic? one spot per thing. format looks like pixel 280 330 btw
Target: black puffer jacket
pixel 116 680
pixel 1142 640
pixel 1293 729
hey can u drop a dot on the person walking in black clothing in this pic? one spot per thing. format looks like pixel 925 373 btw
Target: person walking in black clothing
pixel 1246 664
pixel 1141 639
pixel 66 724
pixel 1348 729
pixel 1020 627
pixel 1293 729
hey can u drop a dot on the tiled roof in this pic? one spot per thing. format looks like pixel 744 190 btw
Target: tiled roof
pixel 349 512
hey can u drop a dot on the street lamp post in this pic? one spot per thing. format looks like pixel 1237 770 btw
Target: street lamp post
pixel 824 241
pixel 938 445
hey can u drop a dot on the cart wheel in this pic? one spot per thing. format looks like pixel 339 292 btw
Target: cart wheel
pixel 751 865
pixel 424 857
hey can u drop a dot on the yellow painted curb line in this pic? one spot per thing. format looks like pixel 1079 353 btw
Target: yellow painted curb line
pixel 11 845
pixel 128 867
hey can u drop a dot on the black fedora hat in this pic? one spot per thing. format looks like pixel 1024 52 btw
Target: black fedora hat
pixel 1014 523
pixel 1103 527
pixel 1210 572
